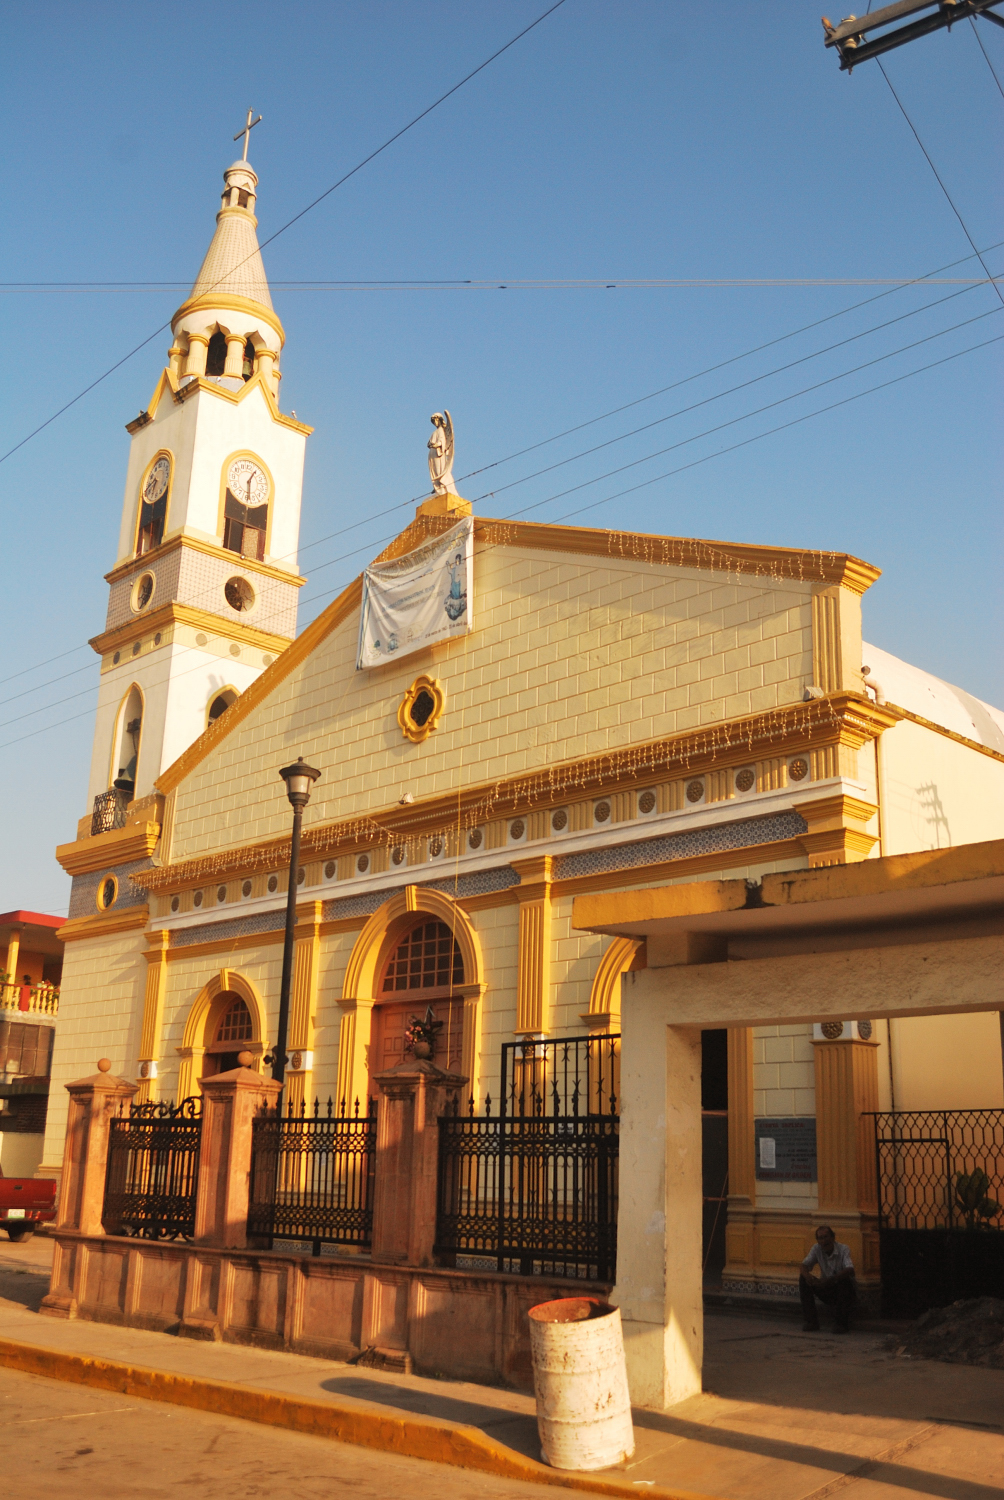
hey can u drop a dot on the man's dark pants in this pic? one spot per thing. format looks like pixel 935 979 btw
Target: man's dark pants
pixel 839 1294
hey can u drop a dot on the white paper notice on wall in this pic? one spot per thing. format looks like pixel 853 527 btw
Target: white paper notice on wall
pixel 418 599
pixel 768 1154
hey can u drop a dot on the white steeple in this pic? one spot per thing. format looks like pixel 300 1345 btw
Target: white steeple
pixel 203 592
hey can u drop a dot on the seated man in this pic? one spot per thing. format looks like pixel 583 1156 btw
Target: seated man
pixel 834 1285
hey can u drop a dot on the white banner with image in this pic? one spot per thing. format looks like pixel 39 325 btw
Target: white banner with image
pixel 418 599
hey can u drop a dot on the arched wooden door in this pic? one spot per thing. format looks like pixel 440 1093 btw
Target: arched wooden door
pixel 422 973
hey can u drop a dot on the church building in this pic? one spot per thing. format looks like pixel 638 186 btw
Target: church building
pixel 563 710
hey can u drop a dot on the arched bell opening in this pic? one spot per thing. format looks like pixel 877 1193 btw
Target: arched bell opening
pixel 216 354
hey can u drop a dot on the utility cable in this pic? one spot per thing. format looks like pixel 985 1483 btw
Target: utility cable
pixel 694 463
pixel 976 34
pixel 942 186
pixel 591 421
pixel 296 218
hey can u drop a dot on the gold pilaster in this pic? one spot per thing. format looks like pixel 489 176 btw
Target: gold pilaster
pixel 533 983
pixel 153 1010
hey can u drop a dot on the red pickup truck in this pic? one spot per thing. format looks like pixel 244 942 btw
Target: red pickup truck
pixel 26 1202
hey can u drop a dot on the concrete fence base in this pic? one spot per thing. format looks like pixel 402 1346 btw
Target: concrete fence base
pixel 464 1325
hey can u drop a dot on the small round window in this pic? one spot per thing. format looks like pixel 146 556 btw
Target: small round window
pixel 142 592
pixel 108 890
pixel 239 594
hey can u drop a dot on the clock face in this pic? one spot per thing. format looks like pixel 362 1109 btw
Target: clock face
pixel 156 481
pixel 247 481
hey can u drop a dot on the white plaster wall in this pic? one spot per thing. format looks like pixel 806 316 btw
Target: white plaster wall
pixel 936 793
pixel 177 681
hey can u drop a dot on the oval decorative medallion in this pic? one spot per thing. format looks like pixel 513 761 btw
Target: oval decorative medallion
pixel 695 791
pixel 475 838
pixel 601 812
pixel 421 708
pixel 646 802
pixel 559 820
pixel 745 780
pixel 798 769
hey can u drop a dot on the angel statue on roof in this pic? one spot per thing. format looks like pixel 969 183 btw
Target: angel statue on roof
pixel 441 454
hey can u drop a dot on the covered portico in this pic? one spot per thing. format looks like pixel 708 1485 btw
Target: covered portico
pixel 905 935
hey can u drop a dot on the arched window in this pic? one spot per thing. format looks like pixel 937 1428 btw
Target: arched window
pixel 219 704
pixel 129 728
pixel 420 980
pixel 428 958
pixel 216 355
pixel 153 505
pixel 234 1030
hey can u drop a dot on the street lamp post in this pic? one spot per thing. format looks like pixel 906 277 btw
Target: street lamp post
pixel 299 778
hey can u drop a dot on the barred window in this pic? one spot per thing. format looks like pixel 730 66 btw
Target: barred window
pixel 235 1023
pixel 427 958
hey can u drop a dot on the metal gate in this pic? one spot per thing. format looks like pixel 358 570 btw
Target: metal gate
pixel 312 1176
pixel 534 1187
pixel 152 1176
pixel 940 1180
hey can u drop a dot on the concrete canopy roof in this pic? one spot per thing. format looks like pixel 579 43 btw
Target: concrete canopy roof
pixel 930 886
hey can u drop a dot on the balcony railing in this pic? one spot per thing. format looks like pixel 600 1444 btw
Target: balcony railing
pixel 109 810
pixel 37 999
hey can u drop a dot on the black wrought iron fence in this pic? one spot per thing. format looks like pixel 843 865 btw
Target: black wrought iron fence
pixel 940 1169
pixel 152 1176
pixel 312 1175
pixel 940 1195
pixel 534 1188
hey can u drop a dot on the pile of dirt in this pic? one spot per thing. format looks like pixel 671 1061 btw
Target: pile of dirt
pixel 966 1333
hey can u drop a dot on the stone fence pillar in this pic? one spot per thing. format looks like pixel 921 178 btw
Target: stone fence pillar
pixel 94 1103
pixel 412 1097
pixel 230 1102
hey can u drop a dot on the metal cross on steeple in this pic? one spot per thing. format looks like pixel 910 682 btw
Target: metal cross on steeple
pixel 246 130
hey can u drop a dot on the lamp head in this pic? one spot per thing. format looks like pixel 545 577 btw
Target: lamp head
pixel 299 778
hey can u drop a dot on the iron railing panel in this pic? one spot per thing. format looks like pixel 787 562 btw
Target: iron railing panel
pixel 922 1161
pixel 152 1176
pixel 312 1176
pixel 534 1189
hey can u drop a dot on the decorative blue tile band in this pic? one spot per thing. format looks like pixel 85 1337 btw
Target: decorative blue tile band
pixel 743 834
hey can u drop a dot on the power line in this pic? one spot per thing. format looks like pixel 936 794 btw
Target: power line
pixel 517 284
pixel 922 281
pixel 976 34
pixel 296 218
pixel 942 186
pixel 695 463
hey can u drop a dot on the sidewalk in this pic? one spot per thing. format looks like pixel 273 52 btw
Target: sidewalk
pixel 785 1416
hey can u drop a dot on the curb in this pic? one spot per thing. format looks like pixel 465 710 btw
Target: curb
pixel 430 1438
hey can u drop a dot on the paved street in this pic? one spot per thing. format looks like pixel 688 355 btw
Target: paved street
pixel 65 1441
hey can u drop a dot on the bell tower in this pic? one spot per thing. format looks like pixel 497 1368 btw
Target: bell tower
pixel 204 588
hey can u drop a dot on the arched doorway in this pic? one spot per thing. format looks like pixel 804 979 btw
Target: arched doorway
pixel 422 977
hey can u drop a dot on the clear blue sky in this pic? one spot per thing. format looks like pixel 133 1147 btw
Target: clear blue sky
pixel 645 140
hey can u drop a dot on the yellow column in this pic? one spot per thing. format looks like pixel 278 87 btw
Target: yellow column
pixel 303 999
pixel 846 1089
pixel 235 355
pixel 153 1011
pixel 13 949
pixel 742 1163
pixel 533 984
pixel 198 348
pixel 353 1053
